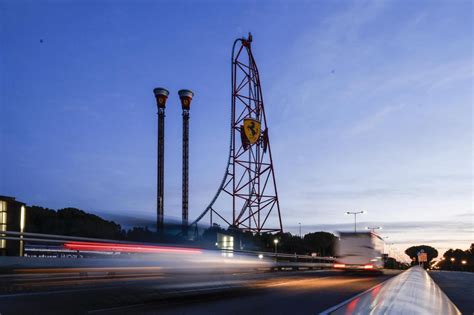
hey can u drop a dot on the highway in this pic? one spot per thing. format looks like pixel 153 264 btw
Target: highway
pixel 458 286
pixel 309 293
pixel 151 291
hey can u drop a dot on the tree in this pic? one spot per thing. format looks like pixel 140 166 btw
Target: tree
pixel 71 222
pixel 453 259
pixel 290 244
pixel 323 243
pixel 413 251
pixel 140 234
pixel 392 263
pixel 471 249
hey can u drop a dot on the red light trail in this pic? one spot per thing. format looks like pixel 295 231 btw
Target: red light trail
pixel 129 248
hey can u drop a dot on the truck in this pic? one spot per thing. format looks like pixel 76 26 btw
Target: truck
pixel 359 251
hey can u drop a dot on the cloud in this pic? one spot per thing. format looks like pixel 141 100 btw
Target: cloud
pixel 390 227
pixel 452 73
pixel 374 120
pixel 407 185
pixel 440 234
pixel 359 192
pixel 329 40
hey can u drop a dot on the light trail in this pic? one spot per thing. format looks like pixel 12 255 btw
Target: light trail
pixel 129 248
pixel 90 280
pixel 88 269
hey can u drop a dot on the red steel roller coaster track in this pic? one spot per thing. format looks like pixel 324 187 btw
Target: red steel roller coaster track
pixel 249 186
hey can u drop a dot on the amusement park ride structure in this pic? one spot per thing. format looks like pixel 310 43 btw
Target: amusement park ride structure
pixel 248 187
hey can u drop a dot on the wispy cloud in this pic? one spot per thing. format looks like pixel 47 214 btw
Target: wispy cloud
pixel 374 119
pixel 440 234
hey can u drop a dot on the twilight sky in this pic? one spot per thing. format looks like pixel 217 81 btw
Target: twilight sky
pixel 369 107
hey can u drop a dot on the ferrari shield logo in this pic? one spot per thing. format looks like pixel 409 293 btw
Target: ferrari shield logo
pixel 252 129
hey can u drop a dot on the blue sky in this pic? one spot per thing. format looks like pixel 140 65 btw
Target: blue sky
pixel 369 106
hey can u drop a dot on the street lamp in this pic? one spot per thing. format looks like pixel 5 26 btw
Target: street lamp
pixel 355 217
pixel 300 229
pixel 463 262
pixel 275 241
pixel 452 262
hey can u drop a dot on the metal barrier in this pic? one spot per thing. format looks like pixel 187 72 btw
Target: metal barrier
pixel 411 292
pixel 281 260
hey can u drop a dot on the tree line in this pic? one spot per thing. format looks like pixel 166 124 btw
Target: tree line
pixel 457 259
pixel 76 222
pixel 319 243
pixel 452 259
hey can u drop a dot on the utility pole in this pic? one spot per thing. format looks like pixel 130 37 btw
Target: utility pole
pixel 186 97
pixel 161 95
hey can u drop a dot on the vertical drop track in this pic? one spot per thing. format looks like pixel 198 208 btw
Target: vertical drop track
pixel 248 188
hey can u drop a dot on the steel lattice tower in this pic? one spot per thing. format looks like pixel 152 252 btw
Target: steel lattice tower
pixel 249 180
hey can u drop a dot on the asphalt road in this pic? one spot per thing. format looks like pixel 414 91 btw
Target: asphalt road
pixel 308 294
pixel 294 292
pixel 458 286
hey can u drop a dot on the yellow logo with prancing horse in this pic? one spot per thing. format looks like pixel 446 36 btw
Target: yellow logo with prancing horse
pixel 252 129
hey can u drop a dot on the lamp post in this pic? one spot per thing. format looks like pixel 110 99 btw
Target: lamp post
pixel 161 95
pixel 300 229
pixel 186 97
pixel 275 241
pixel 355 217
pixel 22 229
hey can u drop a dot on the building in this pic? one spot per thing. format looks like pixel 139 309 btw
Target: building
pixel 226 244
pixel 12 218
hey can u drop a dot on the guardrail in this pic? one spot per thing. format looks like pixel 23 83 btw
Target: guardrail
pixel 281 259
pixel 411 292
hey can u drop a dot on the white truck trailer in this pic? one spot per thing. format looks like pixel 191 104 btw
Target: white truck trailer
pixel 359 251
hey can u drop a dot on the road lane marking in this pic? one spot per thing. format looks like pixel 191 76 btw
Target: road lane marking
pixel 292 282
